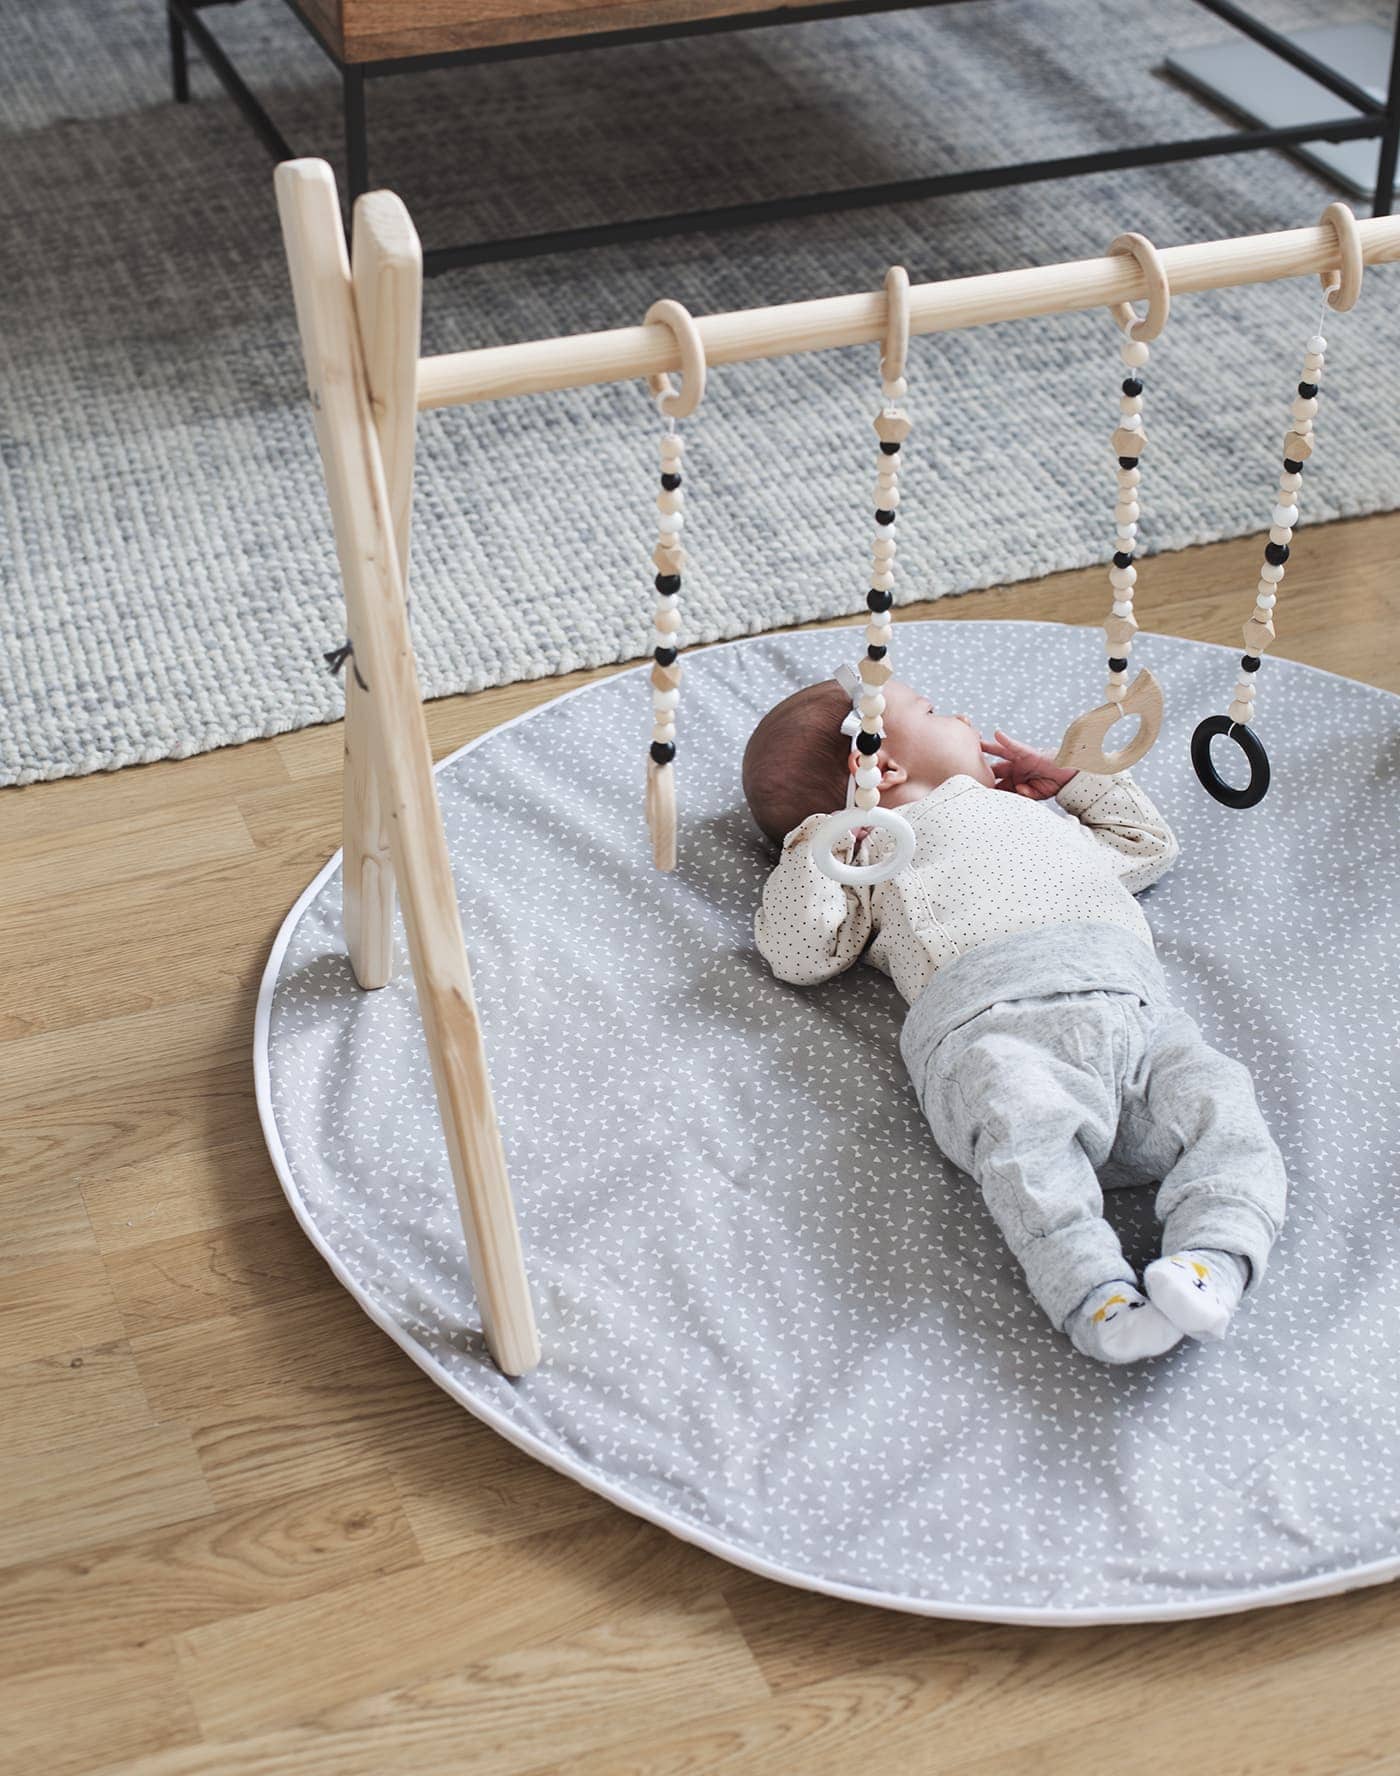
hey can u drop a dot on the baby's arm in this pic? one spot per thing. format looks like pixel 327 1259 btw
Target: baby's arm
pixel 1116 813
pixel 808 927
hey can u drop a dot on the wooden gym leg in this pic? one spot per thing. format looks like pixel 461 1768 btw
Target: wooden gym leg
pixel 377 624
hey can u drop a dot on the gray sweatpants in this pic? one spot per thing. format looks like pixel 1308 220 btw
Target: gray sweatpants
pixel 1043 1057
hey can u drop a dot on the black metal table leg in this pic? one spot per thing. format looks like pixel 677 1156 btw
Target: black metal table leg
pixel 352 82
pixel 1384 199
pixel 179 59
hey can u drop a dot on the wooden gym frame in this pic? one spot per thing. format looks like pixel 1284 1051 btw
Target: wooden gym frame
pixel 359 319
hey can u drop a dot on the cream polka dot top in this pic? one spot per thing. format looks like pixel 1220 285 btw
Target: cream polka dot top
pixel 987 863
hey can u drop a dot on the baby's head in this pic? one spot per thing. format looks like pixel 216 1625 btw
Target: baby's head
pixel 798 761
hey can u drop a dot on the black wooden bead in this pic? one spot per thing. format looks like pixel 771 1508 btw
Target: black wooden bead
pixel 668 582
pixel 1291 466
pixel 1250 662
pixel 663 751
pixel 876 652
pixel 890 449
pixel 884 517
pixel 1127 462
pixel 670 482
pixel 1276 554
pixel 1307 390
pixel 869 744
pixel 879 601
pixel 1123 559
pixel 664 656
pixel 1131 386
pixel 1117 665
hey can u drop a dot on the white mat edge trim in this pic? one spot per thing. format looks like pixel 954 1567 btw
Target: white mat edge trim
pixel 1376 1572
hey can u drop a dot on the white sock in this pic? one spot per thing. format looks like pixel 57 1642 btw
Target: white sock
pixel 1116 1323
pixel 1197 1290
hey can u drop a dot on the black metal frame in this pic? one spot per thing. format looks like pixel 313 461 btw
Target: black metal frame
pixel 1377 118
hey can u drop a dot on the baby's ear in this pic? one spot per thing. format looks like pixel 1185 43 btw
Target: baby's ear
pixel 891 772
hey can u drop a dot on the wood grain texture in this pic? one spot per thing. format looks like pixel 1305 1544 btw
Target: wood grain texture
pixel 244 1536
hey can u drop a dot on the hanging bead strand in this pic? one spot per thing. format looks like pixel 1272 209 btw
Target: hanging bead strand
pixel 892 427
pixel 669 561
pixel 1298 446
pixel 1129 441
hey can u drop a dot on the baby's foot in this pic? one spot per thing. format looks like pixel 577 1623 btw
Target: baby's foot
pixel 1116 1323
pixel 1197 1290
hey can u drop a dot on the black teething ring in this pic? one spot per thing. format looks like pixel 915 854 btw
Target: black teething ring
pixel 1249 744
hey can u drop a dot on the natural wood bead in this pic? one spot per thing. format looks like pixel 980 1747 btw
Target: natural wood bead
pixel 669 559
pixel 886 497
pixel 876 672
pixel 1129 477
pixel 1241 714
pixel 667 621
pixel 1297 447
pixel 881 582
pixel 1129 443
pixel 1127 513
pixel 871 706
pixel 1130 403
pixel 1304 406
pixel 867 798
pixel 670 500
pixel 1258 634
pixel 666 678
pixel 1118 630
pixel 672 444
pixel 883 547
pixel 892 428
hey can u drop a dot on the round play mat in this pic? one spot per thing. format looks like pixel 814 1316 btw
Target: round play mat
pixel 778 1323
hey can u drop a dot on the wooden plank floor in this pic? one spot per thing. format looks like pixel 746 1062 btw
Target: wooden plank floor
pixel 243 1534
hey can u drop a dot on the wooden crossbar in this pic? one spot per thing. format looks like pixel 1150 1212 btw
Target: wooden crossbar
pixel 454 379
pixel 360 339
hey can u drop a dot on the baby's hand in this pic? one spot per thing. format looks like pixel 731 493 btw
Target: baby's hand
pixel 1021 769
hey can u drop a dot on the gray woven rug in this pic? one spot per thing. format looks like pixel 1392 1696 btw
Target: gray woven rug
pixel 165 552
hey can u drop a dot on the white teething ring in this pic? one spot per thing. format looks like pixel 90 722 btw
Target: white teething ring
pixel 835 828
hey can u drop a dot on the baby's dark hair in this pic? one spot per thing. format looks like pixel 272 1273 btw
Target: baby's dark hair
pixel 797 760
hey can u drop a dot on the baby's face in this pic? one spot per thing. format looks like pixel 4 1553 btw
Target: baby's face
pixel 930 745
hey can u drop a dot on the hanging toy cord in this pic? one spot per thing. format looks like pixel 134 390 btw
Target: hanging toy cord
pixel 669 560
pixel 1340 291
pixel 865 683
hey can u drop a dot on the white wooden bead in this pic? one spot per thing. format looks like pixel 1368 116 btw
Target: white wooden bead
pixel 1290 482
pixel 1280 533
pixel 895 390
pixel 664 731
pixel 883 548
pixel 1122 576
pixel 1285 517
pixel 884 532
pixel 1241 714
pixel 867 798
pixel 670 522
pixel 1134 353
pixel 1317 345
pixel 1244 690
pixel 1304 406
pixel 1122 607
pixel 1133 423
pixel 1127 535
pixel 1127 513
pixel 1270 572
pixel 665 699
pixel 667 601
pixel 1266 600
pixel 1129 477
pixel 868 777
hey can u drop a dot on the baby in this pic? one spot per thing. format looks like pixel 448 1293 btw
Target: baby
pixel 1040 1037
